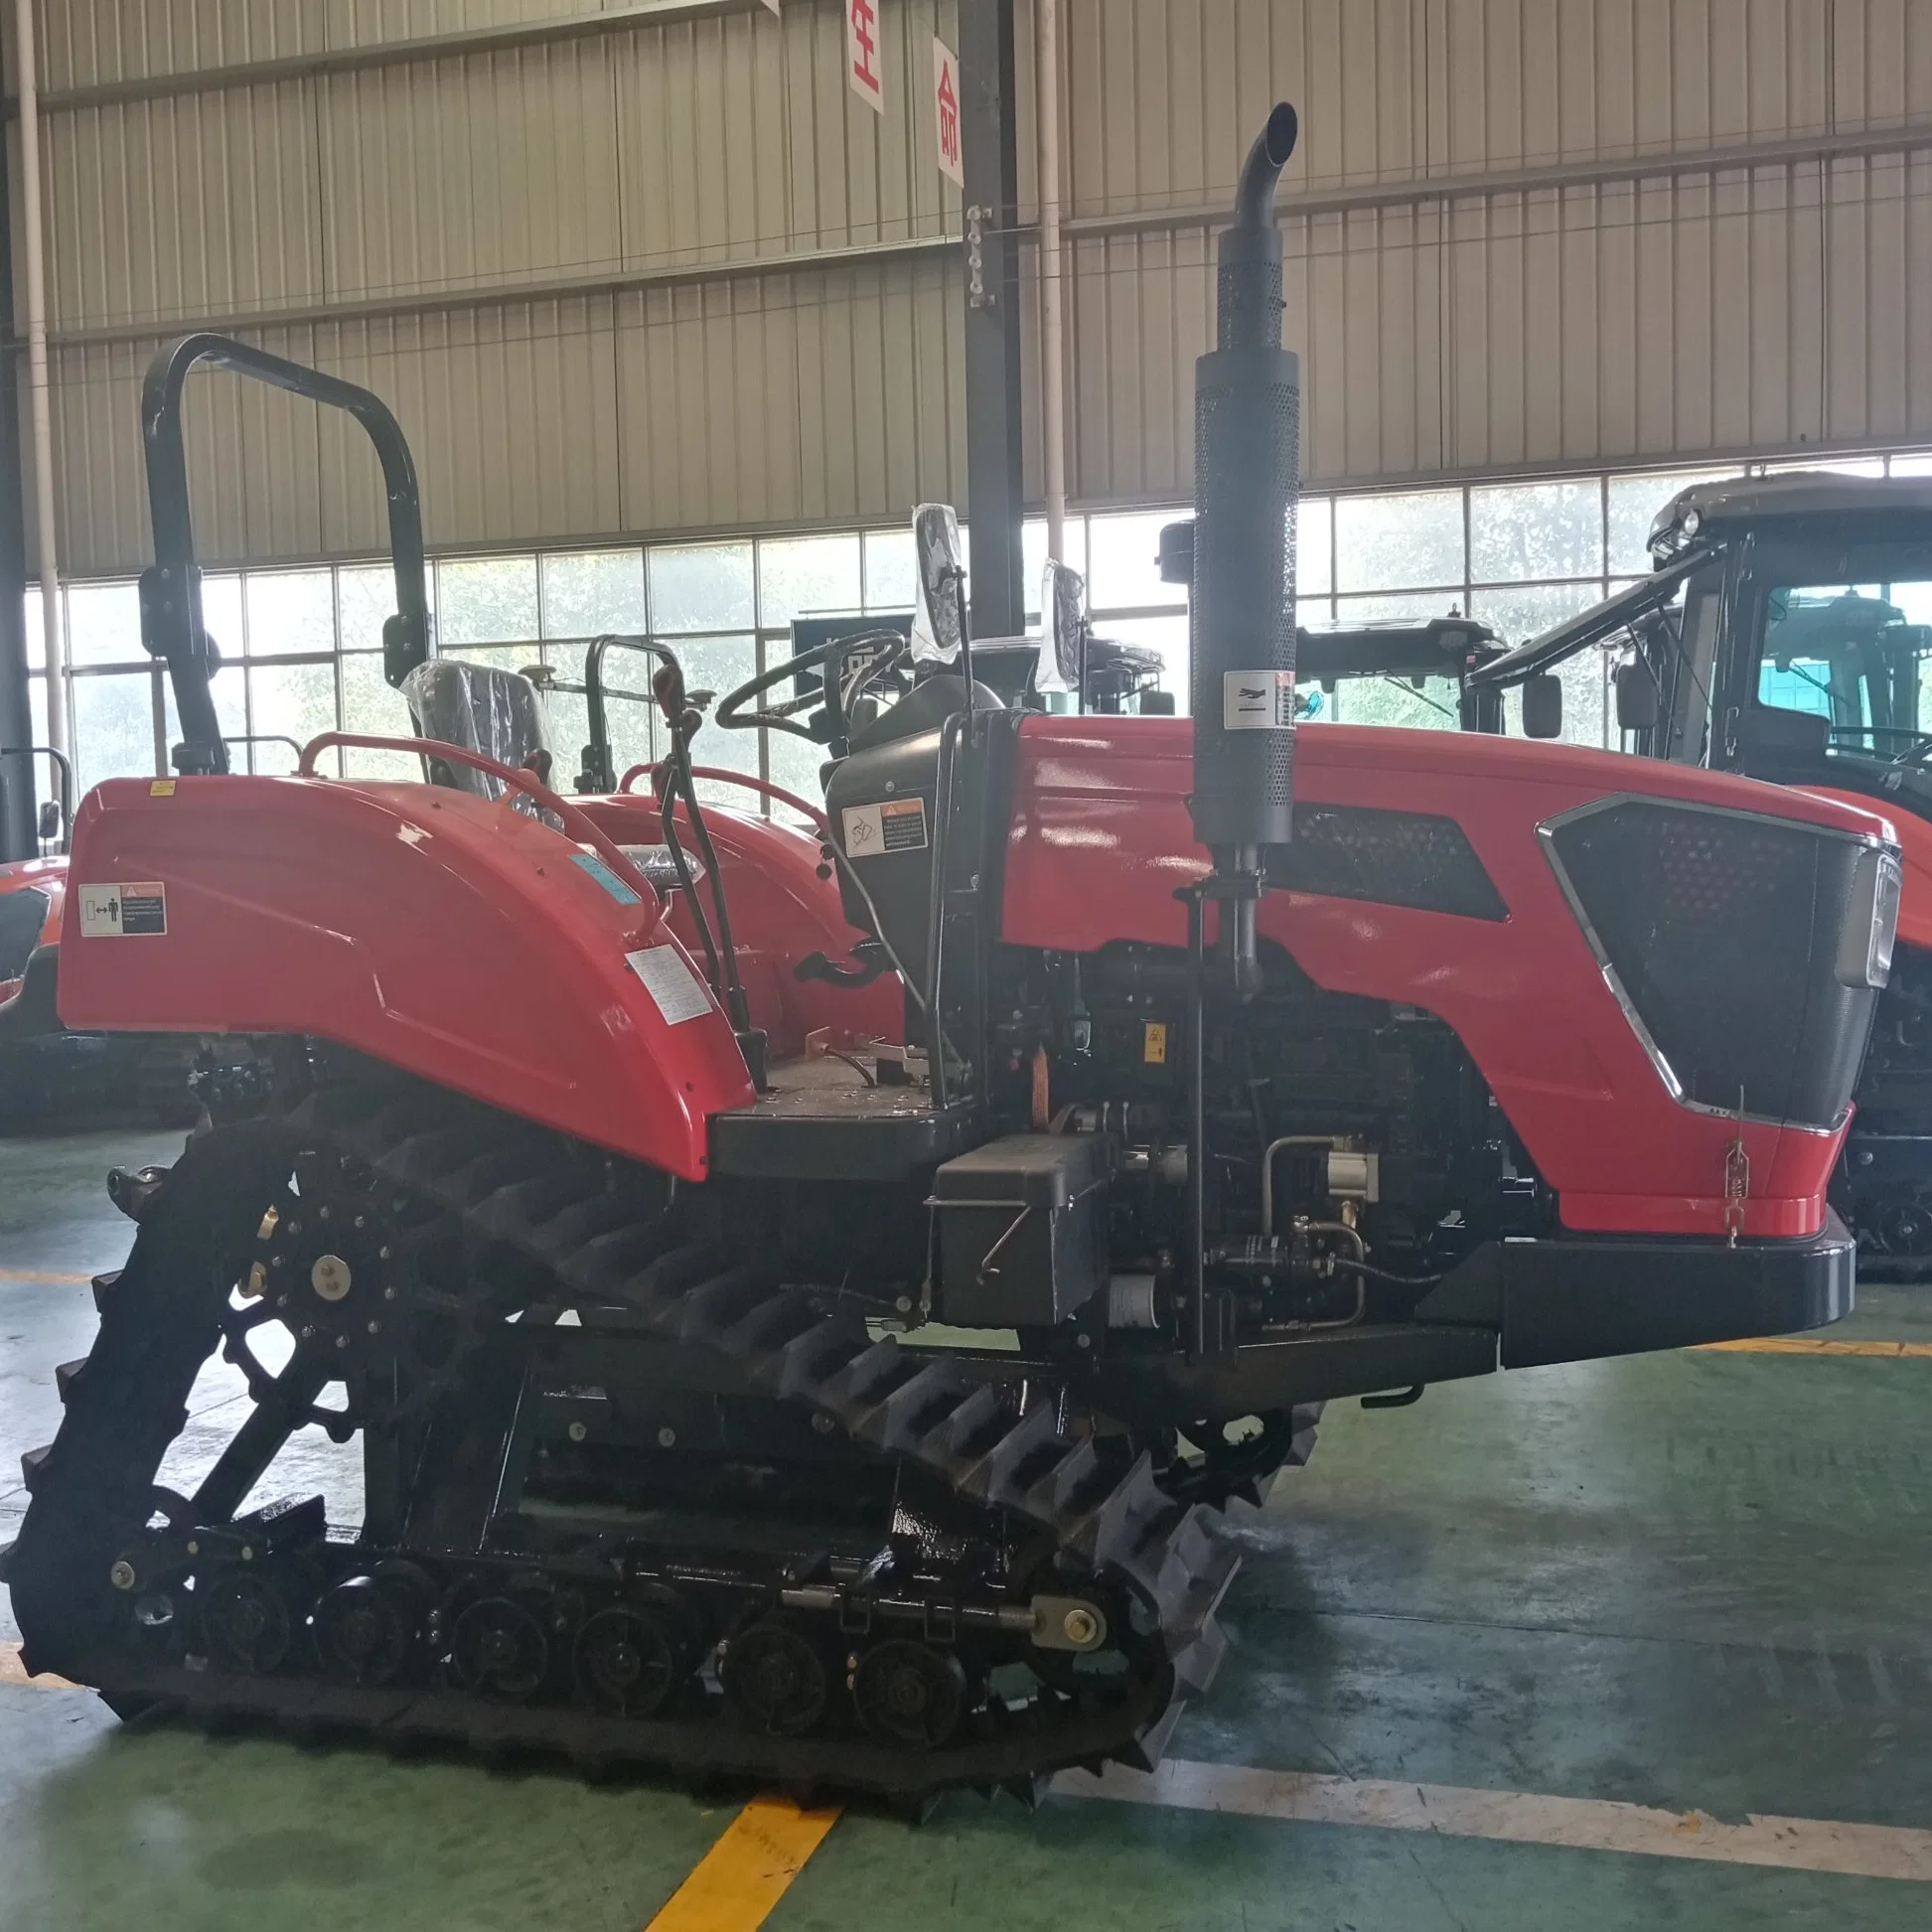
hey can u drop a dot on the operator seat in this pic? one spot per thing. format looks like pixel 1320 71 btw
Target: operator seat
pixel 479 708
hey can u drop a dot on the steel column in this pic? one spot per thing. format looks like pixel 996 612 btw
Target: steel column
pixel 990 139
pixel 17 803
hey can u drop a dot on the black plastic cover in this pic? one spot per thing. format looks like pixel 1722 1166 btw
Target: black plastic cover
pixel 1724 929
pixel 1393 858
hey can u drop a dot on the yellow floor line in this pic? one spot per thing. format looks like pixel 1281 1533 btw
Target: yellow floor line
pixel 737 1883
pixel 41 1279
pixel 11 1672
pixel 1517 1817
pixel 1815 1345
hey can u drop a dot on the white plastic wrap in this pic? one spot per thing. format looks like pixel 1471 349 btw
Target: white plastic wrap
pixel 1063 603
pixel 936 635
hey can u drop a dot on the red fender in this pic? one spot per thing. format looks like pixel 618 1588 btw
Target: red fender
pixel 460 939
pixel 1101 840
pixel 781 911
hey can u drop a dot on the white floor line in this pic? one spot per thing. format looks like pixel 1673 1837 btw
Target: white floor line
pixel 1588 1824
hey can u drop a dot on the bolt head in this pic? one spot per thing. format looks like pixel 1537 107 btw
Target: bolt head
pixel 1086 1341
pixel 823 1423
pixel 247 1553
pixel 341 1341
pixel 666 1438
pixel 904 1304
pixel 122 1576
pixel 1080 1625
pixel 375 1328
pixel 193 1548
pixel 578 1432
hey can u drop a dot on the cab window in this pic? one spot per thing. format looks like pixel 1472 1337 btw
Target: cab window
pixel 1856 656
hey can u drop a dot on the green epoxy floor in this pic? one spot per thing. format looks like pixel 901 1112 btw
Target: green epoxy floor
pixel 1694 1580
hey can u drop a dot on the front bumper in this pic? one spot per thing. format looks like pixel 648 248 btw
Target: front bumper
pixel 1572 1300
pixel 1512 1305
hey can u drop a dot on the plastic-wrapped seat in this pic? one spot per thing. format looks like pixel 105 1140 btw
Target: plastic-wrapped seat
pixel 479 708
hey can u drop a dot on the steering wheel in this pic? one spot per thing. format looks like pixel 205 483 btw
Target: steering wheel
pixel 830 714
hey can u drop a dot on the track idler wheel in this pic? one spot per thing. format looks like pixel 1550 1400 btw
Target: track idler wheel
pixel 498 1647
pixel 367 1629
pixel 910 1695
pixel 775 1676
pixel 246 1623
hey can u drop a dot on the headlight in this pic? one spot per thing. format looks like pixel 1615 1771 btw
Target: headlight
pixel 1870 919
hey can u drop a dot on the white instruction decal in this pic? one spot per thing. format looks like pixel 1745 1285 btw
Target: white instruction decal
pixel 1258 700
pixel 897 825
pixel 668 978
pixel 137 910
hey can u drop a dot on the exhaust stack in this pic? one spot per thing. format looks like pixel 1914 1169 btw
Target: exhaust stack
pixel 1248 449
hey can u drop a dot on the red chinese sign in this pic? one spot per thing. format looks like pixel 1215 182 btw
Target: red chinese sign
pixel 862 52
pixel 946 111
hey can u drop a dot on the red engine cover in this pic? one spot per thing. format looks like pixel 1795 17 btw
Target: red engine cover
pixel 1101 839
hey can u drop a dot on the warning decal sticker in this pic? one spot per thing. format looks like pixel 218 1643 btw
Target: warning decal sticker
pixel 897 825
pixel 137 910
pixel 1258 700
pixel 668 978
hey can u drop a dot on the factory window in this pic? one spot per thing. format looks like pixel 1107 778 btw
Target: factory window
pixel 302 647
pixel 1400 542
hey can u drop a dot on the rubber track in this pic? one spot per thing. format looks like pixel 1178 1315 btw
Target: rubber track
pixel 534 1197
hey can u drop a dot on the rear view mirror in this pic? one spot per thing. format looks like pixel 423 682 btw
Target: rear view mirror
pixel 1636 697
pixel 1543 707
pixel 50 823
pixel 1063 599
pixel 937 624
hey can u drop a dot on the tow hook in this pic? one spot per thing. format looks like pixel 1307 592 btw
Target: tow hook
pixel 134 1193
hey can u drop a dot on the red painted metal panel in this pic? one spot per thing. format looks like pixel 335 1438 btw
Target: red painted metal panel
pixel 1101 840
pixel 460 939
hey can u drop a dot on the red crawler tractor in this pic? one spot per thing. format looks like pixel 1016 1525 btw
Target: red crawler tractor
pixel 637 1185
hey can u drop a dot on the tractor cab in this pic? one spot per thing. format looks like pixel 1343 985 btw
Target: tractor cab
pixel 1783 633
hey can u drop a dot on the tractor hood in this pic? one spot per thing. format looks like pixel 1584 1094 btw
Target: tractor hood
pixel 1626 949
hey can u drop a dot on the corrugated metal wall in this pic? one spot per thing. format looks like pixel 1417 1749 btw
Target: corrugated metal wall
pixel 671 275
pixel 1578 285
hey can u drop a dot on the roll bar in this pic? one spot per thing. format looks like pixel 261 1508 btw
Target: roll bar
pixel 171 587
